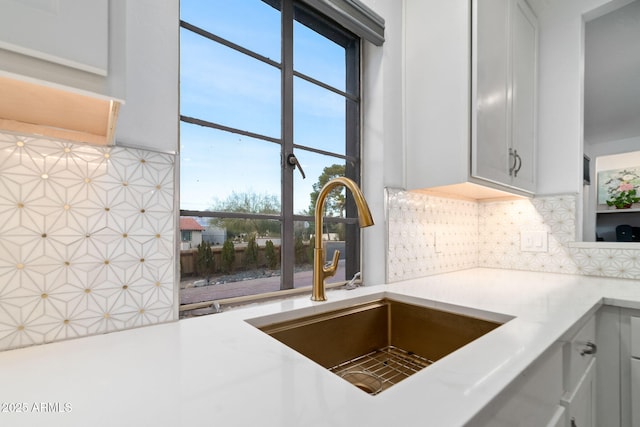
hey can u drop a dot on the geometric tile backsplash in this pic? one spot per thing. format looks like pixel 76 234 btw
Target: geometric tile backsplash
pixel 500 224
pixel 87 239
pixel 429 235
pixel 492 238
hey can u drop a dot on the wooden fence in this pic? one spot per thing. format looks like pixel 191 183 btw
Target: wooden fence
pixel 188 259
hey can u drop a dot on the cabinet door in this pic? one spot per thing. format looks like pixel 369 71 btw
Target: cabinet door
pixel 73 33
pixel 635 392
pixel 581 403
pixel 559 418
pixel 524 51
pixel 490 90
pixel 635 370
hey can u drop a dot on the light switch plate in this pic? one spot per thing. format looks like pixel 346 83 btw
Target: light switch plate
pixel 534 241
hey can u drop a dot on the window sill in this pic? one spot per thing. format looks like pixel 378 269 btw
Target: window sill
pixel 217 306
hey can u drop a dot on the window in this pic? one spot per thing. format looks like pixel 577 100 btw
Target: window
pixel 262 81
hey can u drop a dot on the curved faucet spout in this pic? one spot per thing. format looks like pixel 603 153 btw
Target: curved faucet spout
pixel 320 272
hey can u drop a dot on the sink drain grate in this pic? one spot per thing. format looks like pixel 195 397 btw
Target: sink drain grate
pixel 389 365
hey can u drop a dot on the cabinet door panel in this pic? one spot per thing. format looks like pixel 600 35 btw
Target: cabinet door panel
pixel 635 392
pixel 490 135
pixel 577 361
pixel 581 403
pixel 73 33
pixel 635 336
pixel 559 418
pixel 524 50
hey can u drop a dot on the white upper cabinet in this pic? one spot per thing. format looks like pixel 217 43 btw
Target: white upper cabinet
pixel 67 66
pixel 55 70
pixel 504 93
pixel 73 33
pixel 524 52
pixel 470 98
pixel 61 43
pixel 490 122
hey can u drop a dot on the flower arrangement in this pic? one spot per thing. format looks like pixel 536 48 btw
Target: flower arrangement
pixel 625 195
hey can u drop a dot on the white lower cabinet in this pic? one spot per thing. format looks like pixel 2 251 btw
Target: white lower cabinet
pixel 635 371
pixel 635 392
pixel 580 377
pixel 580 402
pixel 559 418
pixel 532 399
pixel 618 368
pixel 557 390
pixel 570 387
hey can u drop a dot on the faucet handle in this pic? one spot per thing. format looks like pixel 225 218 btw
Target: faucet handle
pixel 330 270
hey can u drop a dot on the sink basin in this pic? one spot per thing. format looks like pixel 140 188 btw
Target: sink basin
pixel 378 343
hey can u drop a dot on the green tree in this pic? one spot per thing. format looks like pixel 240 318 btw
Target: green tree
pixel 250 258
pixel 248 202
pixel 205 263
pixel 228 256
pixel 271 255
pixel 335 201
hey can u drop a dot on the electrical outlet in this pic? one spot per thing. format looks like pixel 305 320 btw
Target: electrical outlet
pixel 534 241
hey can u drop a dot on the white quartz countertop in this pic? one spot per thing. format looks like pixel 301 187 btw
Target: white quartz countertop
pixel 220 370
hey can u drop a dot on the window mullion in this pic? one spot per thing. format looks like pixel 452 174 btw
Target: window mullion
pixel 353 169
pixel 287 248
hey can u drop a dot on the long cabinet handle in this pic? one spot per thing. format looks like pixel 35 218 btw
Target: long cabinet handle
pixel 519 160
pixel 513 153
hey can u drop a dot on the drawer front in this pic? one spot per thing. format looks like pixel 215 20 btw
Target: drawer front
pixel 635 337
pixel 579 352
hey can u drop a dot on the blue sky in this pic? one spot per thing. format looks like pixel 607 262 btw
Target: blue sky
pixel 221 85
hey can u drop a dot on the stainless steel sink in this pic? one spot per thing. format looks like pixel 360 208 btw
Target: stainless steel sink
pixel 376 344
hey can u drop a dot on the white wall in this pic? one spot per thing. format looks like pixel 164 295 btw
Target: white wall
pixel 437 42
pixel 560 102
pixel 148 63
pixel 612 147
pixel 618 161
pixel 382 132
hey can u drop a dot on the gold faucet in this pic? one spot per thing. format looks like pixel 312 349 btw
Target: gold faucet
pixel 320 272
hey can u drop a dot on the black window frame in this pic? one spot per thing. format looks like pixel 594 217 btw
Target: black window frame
pixel 296 10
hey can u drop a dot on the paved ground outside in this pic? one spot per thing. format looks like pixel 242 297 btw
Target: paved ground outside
pixel 258 285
